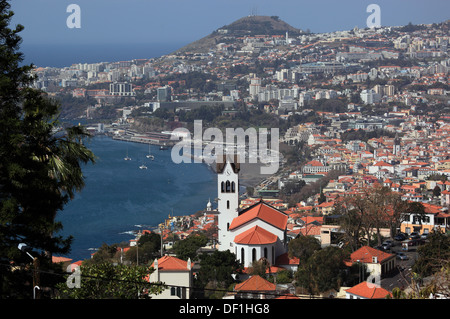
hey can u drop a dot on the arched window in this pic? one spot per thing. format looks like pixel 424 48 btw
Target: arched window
pixel 223 187
pixel 228 204
pixel 242 256
pixel 233 186
pixel 253 254
pixel 227 186
pixel 265 252
pixel 228 226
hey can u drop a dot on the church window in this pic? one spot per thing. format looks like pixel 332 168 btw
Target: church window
pixel 242 255
pixel 228 204
pixel 227 186
pixel 223 187
pixel 233 186
pixel 265 252
pixel 253 254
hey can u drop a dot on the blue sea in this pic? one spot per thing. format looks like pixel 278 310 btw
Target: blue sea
pixel 63 55
pixel 119 198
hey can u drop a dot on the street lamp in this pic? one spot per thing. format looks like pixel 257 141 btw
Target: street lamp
pixel 36 280
pixel 22 247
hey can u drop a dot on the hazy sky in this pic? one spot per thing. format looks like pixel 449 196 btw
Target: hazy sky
pixel 184 21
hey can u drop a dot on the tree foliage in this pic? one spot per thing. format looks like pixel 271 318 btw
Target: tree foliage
pixel 147 249
pixel 216 272
pixel 434 255
pixel 40 170
pixel 323 271
pixel 303 247
pixel 365 212
pixel 106 281
pixel 187 248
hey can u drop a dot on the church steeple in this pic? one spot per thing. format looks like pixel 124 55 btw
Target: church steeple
pixel 397 145
pixel 228 195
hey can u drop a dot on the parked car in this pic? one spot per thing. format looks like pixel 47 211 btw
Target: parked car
pixel 400 237
pixel 389 242
pixel 385 246
pixel 402 256
pixel 424 236
pixel 414 235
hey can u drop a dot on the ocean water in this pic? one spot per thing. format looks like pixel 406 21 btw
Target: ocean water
pixel 62 55
pixel 119 198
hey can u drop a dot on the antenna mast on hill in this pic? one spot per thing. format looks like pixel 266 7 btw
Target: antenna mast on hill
pixel 254 11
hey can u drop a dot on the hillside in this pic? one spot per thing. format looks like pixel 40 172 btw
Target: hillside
pixel 247 26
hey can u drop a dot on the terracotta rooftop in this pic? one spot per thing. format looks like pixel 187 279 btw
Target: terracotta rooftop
pixel 255 236
pixel 369 291
pixel 261 211
pixel 285 260
pixel 255 283
pixel 365 254
pixel 170 263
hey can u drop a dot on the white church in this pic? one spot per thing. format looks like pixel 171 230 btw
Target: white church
pixel 256 232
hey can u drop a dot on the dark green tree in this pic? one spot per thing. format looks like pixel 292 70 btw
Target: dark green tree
pixel 216 272
pixel 434 255
pixel 147 249
pixel 40 171
pixel 323 271
pixel 106 281
pixel 187 248
pixel 436 191
pixel 303 247
pixel 105 254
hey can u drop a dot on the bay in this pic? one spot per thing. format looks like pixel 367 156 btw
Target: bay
pixel 119 198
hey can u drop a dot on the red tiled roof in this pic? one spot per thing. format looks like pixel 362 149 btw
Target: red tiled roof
pixel 365 254
pixel 264 212
pixel 311 230
pixel 285 260
pixel 170 263
pixel 57 259
pixel 382 164
pixel 255 283
pixel 314 163
pixel 287 296
pixel 255 236
pixel 369 290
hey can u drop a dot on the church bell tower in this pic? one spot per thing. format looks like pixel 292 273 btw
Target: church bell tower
pixel 228 199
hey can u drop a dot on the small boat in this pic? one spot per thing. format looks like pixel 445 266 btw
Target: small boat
pixel 163 147
pixel 150 155
pixel 127 158
pixel 143 166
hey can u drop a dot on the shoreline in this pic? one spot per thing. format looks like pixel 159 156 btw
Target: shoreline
pixel 249 175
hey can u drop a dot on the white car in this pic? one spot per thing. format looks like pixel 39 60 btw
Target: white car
pixel 402 256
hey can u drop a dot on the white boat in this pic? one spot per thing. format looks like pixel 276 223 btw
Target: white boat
pixel 150 155
pixel 143 166
pixel 127 158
